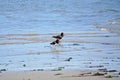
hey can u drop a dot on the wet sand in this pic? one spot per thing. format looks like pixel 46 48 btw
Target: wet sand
pixel 55 75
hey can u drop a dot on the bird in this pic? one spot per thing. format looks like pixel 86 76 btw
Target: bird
pixel 59 36
pixel 55 42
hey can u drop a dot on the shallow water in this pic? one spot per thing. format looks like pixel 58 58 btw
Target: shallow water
pixel 91 30
pixel 88 50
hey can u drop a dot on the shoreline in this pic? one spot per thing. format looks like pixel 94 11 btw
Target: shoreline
pixel 58 75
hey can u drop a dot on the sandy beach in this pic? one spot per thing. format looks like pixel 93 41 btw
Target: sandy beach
pixel 54 75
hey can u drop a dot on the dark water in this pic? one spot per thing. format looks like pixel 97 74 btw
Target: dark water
pixel 91 28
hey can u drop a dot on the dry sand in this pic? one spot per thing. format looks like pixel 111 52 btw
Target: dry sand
pixel 51 75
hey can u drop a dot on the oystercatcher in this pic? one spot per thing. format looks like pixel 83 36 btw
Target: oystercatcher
pixel 59 36
pixel 55 42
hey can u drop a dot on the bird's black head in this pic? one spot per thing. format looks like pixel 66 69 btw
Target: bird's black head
pixel 62 34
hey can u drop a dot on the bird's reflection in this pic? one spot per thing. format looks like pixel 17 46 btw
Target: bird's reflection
pixel 56 51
